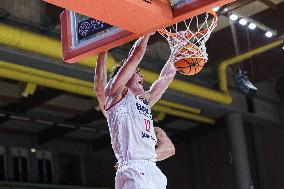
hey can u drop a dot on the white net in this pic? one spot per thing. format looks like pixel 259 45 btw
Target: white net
pixel 190 41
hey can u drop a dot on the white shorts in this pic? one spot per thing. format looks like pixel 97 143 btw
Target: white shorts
pixel 140 174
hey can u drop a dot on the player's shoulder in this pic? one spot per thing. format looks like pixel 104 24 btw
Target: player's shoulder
pixel 144 97
pixel 113 100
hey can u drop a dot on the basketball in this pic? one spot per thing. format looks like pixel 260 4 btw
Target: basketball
pixel 189 66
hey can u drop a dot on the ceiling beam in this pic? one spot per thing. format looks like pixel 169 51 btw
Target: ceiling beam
pixel 90 116
pixel 269 3
pixel 235 5
pixel 45 106
pixel 52 133
pixel 26 104
pixel 55 129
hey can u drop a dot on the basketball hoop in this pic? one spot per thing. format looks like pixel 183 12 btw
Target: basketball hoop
pixel 188 45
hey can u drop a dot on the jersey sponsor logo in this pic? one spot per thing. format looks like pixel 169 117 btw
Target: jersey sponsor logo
pixel 147 136
pixel 143 110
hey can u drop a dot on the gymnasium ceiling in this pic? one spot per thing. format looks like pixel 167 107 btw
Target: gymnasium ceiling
pixel 50 114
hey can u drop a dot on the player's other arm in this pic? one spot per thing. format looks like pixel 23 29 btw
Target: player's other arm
pixel 129 67
pixel 100 79
pixel 159 86
pixel 165 147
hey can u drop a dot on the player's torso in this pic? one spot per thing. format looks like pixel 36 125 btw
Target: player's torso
pixel 131 128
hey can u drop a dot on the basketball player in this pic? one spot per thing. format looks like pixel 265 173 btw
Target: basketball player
pixel 127 108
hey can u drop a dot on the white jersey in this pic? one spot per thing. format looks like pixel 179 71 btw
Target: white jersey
pixel 131 129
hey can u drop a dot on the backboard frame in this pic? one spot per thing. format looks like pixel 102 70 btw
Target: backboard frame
pixel 73 54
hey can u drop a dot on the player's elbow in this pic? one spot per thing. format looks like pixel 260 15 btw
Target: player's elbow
pixel 172 150
pixel 169 74
pixel 169 77
pixel 99 91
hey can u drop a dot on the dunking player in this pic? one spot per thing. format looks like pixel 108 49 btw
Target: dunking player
pixel 127 109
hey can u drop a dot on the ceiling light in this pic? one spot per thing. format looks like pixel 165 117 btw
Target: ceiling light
pixel 243 21
pixel 216 9
pixel 233 17
pixel 252 26
pixel 268 34
pixel 283 47
pixel 33 150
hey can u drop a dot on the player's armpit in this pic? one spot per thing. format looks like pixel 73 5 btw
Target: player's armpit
pixel 100 79
pixel 165 147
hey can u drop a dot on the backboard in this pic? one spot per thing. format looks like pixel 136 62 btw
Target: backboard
pixel 107 25
pixel 83 36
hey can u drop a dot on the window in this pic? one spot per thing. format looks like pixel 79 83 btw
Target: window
pixel 20 164
pixel 45 171
pixel 2 168
pixel 2 163
pixel 20 169
pixel 44 164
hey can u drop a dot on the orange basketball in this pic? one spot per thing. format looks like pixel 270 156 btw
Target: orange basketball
pixel 189 66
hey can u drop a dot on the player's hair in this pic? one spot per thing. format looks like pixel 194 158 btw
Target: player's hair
pixel 116 69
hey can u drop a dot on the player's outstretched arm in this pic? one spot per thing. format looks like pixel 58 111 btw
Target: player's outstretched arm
pixel 165 147
pixel 100 79
pixel 159 87
pixel 129 67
